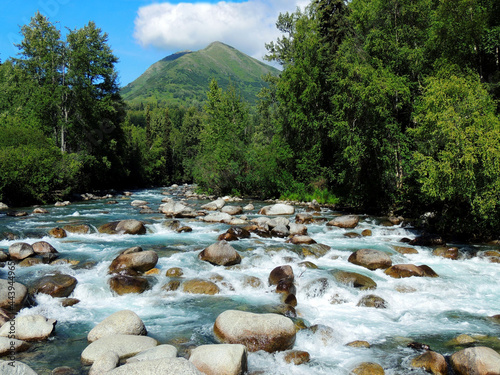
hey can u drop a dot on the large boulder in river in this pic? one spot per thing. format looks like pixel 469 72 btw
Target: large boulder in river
pixel 58 285
pixel 124 345
pixel 354 279
pixel 277 209
pixel 220 254
pixel 130 226
pixel 478 360
pixel 140 261
pixel 281 273
pixel 371 259
pixel 215 205
pixel 58 233
pixel 20 295
pixel 122 284
pixel 124 322
pixel 399 271
pixel 345 221
pixel 43 247
pixel 217 217
pixel 20 251
pixel 176 209
pixel 29 328
pixel 164 366
pixel 232 210
pixel 431 362
pixel 15 368
pixel 227 359
pixel 268 332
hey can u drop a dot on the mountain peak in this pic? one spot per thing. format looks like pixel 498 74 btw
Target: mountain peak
pixel 185 76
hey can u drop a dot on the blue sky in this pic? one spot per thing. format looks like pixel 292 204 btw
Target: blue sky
pixel 142 32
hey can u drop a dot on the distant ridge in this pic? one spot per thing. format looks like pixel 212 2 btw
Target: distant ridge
pixel 183 77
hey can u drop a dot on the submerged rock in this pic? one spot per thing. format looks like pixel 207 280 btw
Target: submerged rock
pixel 197 286
pixel 269 332
pixel 124 322
pixel 297 357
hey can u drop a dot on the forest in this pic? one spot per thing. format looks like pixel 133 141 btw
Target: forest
pixel 382 106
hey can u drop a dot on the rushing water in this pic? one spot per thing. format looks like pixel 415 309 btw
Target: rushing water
pixel 428 310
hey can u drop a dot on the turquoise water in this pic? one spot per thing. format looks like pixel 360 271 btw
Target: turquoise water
pixel 434 311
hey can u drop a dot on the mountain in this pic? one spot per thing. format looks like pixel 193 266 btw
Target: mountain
pixel 185 76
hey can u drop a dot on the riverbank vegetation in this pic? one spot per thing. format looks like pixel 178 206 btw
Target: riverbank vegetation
pixel 381 105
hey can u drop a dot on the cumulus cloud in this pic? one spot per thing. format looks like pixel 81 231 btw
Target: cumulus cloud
pixel 246 26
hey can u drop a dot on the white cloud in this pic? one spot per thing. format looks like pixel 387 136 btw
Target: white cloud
pixel 246 26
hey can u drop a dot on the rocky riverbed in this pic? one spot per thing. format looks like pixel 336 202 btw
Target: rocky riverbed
pixel 165 279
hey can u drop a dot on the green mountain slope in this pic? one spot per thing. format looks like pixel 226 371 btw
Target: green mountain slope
pixel 184 76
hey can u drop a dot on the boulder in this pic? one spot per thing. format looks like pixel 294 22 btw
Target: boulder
pixel 176 209
pixel 122 284
pixel 108 361
pixel 57 233
pixel 281 273
pixel 20 295
pixel 446 252
pixel 20 251
pixel 140 261
pixel 29 328
pixel 214 205
pixel 130 226
pixel 366 233
pixel 220 254
pixel 217 217
pixel 138 203
pixel 405 250
pixel 164 366
pixel 302 240
pixel 58 285
pixel 124 322
pixel 428 240
pixel 239 232
pixel 227 359
pixel 431 362
pixel 15 368
pixel 3 206
pixel 77 229
pixel 303 218
pixel 268 332
pixel 345 221
pixel 372 300
pixel 478 360
pixel 197 286
pixel 368 368
pixel 371 259
pixel 42 247
pixel 297 357
pixel 297 229
pixel 124 346
pixel 277 209
pixel 108 228
pixel 354 279
pixel 184 229
pixel 249 207
pixel 408 270
pixel 232 210
pixel 280 231
pixel 8 346
pixel 316 250
pixel 158 352
pixel 359 344
pixel 174 272
pixel 28 262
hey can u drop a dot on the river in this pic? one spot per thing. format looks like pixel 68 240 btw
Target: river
pixel 427 310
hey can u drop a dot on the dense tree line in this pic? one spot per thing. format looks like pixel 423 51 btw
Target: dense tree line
pixel 390 106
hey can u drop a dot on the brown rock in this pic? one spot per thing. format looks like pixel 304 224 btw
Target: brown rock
pixel 281 273
pixel 372 301
pixel 174 272
pixel 346 221
pixel 184 229
pixel 20 251
pixel 368 368
pixel 297 357
pixel 130 226
pixel 57 233
pixel 197 286
pixel 405 250
pixel 408 270
pixel 122 284
pixel 371 259
pixel 304 219
pixel 108 228
pixel 432 362
pixel 227 237
pixel 140 261
pixel 446 252
pixel 359 344
pixel 253 281
pixel 42 247
pixel 478 360
pixel 59 285
pixel 77 229
pixel 302 240
pixel 29 262
pixel 171 286
pixel 220 254
pixel 427 240
pixel 355 279
pixel 366 233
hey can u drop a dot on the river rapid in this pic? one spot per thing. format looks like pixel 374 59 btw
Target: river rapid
pixel 427 310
